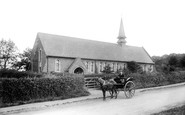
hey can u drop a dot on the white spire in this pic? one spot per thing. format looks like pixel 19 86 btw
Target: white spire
pixel 121 36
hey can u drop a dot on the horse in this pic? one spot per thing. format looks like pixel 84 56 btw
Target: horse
pixel 107 85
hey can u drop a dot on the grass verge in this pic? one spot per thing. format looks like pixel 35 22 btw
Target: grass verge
pixel 174 111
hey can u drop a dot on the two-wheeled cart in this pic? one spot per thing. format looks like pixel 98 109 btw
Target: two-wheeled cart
pixel 127 86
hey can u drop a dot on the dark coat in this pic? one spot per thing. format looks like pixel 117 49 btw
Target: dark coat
pixel 119 79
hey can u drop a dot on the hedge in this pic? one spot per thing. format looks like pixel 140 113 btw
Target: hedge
pixel 157 79
pixel 147 80
pixel 104 76
pixel 9 73
pixel 25 90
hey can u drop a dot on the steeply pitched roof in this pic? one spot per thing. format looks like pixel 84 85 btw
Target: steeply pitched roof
pixel 63 46
pixel 121 30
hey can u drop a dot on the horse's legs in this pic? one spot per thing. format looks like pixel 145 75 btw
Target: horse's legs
pixel 103 94
pixel 112 93
pixel 116 93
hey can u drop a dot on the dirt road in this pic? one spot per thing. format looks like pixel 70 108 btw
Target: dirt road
pixel 143 103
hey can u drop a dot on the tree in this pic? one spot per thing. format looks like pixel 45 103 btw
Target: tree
pixel 8 53
pixel 168 63
pixel 107 69
pixel 173 61
pixel 133 67
pixel 25 60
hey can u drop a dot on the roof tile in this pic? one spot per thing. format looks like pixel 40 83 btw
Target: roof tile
pixel 63 46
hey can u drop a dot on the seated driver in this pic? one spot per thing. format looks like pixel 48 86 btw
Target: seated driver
pixel 120 78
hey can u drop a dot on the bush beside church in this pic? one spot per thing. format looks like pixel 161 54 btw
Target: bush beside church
pixel 51 87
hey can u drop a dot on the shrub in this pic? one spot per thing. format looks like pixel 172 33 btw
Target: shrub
pixel 147 80
pixel 157 79
pixel 103 75
pixel 25 90
pixel 107 69
pixel 8 73
pixel 134 67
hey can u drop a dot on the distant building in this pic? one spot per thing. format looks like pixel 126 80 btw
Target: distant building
pixel 54 53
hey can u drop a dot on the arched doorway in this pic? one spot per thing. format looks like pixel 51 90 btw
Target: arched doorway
pixel 79 70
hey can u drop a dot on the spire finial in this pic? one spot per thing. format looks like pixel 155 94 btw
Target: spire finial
pixel 121 36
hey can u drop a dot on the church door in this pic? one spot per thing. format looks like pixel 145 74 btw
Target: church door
pixel 79 70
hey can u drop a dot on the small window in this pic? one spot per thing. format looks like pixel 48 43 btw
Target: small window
pixel 151 68
pixel 124 67
pixel 87 65
pixel 40 55
pixel 92 67
pixel 57 65
pixel 101 67
pixel 112 66
pixel 115 67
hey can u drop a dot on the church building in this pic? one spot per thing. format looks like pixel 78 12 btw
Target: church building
pixel 55 53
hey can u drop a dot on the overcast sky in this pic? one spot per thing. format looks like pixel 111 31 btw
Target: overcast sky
pixel 157 25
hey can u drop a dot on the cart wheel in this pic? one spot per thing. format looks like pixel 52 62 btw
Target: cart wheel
pixel 129 89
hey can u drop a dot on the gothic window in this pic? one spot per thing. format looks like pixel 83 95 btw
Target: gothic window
pixel 112 66
pixel 115 67
pixel 150 68
pixel 40 55
pixel 101 67
pixel 92 67
pixel 86 64
pixel 57 65
pixel 144 67
pixel 119 66
pixel 124 67
pixel 40 60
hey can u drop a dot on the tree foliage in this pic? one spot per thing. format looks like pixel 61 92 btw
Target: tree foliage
pixel 8 53
pixel 169 63
pixel 25 61
pixel 173 61
pixel 107 69
pixel 133 67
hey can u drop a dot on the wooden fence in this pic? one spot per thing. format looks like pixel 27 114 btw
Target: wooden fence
pixel 90 82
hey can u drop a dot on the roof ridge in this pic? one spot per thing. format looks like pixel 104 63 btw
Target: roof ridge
pixel 83 39
pixel 74 38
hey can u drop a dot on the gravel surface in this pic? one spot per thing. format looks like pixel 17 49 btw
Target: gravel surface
pixel 143 103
